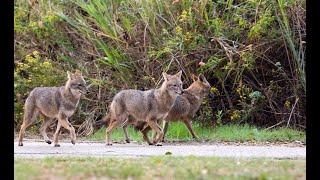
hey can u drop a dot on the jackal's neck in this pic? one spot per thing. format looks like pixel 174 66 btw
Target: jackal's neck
pixel 193 92
pixel 66 93
pixel 164 98
pixel 192 98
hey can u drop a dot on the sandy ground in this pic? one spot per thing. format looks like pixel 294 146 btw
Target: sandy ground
pixel 39 149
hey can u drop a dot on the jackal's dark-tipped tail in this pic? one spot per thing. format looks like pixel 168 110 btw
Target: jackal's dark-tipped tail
pixel 102 122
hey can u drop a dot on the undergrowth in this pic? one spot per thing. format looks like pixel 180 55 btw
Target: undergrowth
pixel 253 53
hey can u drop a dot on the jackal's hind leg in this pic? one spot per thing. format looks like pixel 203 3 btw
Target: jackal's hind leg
pixel 30 115
pixel 112 125
pixel 188 124
pixel 43 129
pixel 125 130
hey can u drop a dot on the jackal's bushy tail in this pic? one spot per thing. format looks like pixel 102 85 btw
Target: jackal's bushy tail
pixel 29 110
pixel 28 117
pixel 103 122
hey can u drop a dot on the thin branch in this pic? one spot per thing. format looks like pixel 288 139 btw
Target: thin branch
pixel 292 111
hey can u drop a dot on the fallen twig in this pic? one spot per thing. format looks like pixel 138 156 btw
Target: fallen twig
pixel 274 125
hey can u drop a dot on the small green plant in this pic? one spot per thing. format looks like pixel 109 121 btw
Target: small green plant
pixel 45 27
pixel 256 96
pixel 20 20
pixel 219 116
pixel 262 25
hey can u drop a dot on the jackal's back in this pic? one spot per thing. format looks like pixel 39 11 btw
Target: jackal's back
pixel 50 100
pixel 134 102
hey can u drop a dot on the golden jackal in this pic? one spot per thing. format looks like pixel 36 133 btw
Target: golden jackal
pixel 184 109
pixel 148 106
pixel 54 102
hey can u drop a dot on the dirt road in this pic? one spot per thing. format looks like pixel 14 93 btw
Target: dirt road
pixel 39 149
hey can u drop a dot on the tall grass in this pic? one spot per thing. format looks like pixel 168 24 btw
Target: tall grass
pixel 295 44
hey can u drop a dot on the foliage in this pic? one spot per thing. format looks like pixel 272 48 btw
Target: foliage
pixel 253 52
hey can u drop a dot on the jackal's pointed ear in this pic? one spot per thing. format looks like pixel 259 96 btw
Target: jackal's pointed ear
pixel 202 78
pixel 179 74
pixel 194 77
pixel 165 76
pixel 69 75
pixel 199 77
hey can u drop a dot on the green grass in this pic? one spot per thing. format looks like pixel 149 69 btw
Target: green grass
pixel 163 167
pixel 178 131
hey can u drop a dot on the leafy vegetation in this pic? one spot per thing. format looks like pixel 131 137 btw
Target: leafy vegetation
pixel 253 53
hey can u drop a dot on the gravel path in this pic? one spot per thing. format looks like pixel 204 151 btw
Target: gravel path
pixel 33 149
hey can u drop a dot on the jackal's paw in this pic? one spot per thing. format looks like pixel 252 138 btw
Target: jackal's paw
pixel 20 144
pixel 150 143
pixel 159 144
pixel 73 142
pixel 48 141
pixel 109 144
pixel 57 145
pixel 127 140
